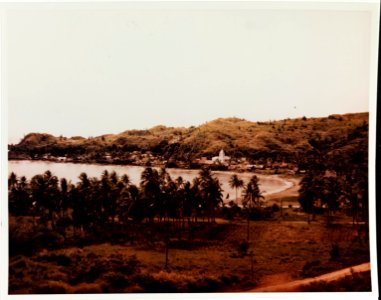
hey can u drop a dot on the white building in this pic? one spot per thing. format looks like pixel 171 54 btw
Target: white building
pixel 221 158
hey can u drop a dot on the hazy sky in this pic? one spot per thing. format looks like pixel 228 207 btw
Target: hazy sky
pixel 94 71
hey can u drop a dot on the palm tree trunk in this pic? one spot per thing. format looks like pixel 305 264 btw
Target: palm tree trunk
pixel 166 252
pixel 248 218
pixel 248 228
pixel 252 265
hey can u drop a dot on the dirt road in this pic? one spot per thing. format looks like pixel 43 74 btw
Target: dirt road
pixel 294 286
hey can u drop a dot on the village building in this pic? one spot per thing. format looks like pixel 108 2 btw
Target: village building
pixel 221 158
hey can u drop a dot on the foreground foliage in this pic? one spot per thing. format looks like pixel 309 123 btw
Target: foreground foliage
pixel 216 259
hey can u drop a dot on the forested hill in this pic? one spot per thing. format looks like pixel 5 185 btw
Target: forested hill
pixel 280 140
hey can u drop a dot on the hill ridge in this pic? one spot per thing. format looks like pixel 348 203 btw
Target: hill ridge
pixel 279 140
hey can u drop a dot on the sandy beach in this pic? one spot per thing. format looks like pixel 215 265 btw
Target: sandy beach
pixel 287 193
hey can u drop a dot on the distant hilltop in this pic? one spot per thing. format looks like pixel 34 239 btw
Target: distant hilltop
pixel 282 140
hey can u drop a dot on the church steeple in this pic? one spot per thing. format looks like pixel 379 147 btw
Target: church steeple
pixel 221 156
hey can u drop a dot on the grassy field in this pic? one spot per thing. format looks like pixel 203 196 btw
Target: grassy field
pixel 217 259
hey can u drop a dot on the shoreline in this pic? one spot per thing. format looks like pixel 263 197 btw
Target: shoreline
pixel 292 191
pixel 282 176
pixel 237 171
pixel 289 189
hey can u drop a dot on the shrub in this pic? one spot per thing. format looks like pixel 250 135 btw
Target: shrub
pixel 228 279
pixel 116 280
pixel 275 207
pixel 21 239
pixel 335 251
pixel 51 287
pixel 60 259
pixel 151 284
pixel 170 282
pixel 243 247
pixel 18 263
pixel 260 213
pixel 228 213
pixel 87 288
pixel 48 239
pixel 132 265
pixel 88 271
pixel 134 289
pixel 309 267
pixel 206 285
pixel 114 270
pixel 28 242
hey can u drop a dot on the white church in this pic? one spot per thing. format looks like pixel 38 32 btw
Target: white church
pixel 221 158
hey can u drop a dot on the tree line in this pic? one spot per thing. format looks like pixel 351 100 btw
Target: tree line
pixel 94 202
pixel 336 180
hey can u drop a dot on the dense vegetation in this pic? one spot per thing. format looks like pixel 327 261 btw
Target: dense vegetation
pixel 337 179
pixel 291 140
pixel 54 214
pixel 112 202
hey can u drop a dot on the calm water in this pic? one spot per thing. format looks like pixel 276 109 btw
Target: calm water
pixel 268 184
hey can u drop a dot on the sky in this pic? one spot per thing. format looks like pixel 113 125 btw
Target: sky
pixel 83 71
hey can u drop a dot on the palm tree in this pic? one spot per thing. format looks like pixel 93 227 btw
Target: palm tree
pixel 215 194
pixel 12 181
pixel 165 203
pixel 198 204
pixel 252 192
pixel 136 209
pixel 252 195
pixel 125 179
pixel 331 192
pixel 171 202
pixel 45 193
pixel 114 178
pixel 80 196
pixel 37 186
pixel 114 194
pixel 12 198
pixel 123 197
pixel 23 195
pixel 235 182
pixel 186 201
pixel 18 195
pixel 307 196
pixel 211 192
pixel 179 181
pixel 311 190
pixel 64 204
pixel 77 205
pixel 104 205
pixel 151 191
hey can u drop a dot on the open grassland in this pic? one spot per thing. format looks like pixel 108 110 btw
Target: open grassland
pixel 216 259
